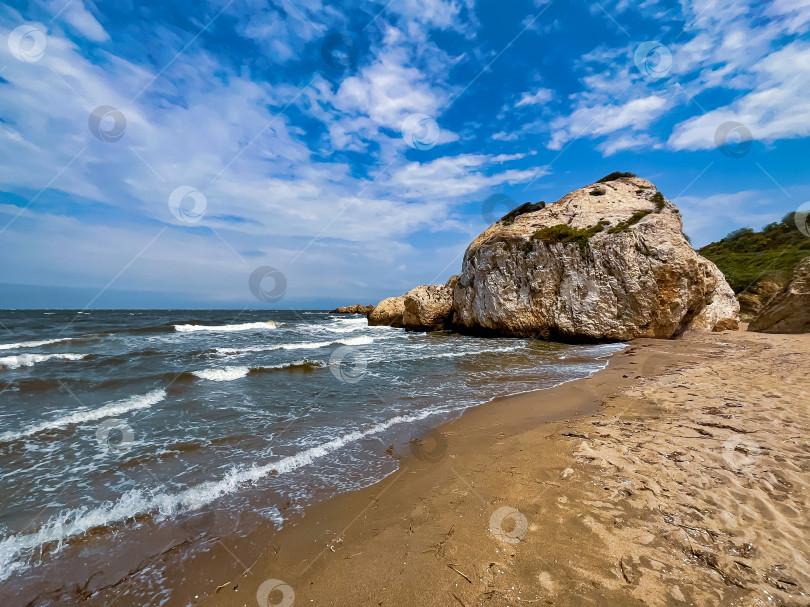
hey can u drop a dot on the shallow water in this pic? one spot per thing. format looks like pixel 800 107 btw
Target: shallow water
pixel 126 434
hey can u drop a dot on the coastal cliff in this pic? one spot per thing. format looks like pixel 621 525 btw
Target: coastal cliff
pixel 606 262
pixel 789 310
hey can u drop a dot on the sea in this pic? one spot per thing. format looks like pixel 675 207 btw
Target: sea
pixel 134 442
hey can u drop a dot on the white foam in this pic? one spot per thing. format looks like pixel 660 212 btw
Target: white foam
pixel 460 353
pixel 136 502
pixel 226 374
pixel 248 326
pixel 345 325
pixel 233 373
pixel 140 401
pixel 29 360
pixel 32 344
pixel 302 345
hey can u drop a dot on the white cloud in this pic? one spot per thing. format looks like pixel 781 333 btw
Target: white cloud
pixel 541 96
pixel 456 177
pixel 777 108
pixel 595 121
pixel 627 141
pixel 387 91
pixel 77 15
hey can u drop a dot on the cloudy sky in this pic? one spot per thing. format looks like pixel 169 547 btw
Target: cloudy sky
pixel 159 154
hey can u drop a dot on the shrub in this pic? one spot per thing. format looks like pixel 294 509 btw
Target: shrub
pixel 747 257
pixel 522 210
pixel 615 175
pixel 598 191
pixel 566 234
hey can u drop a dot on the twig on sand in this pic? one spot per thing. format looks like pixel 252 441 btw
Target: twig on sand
pixel 459 572
pixel 625 574
pixel 459 600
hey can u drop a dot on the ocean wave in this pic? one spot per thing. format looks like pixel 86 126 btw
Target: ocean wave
pixel 302 345
pixel 344 325
pixel 247 326
pixel 238 372
pixel 226 374
pixel 29 360
pixel 132 403
pixel 32 344
pixel 136 502
pixel 458 354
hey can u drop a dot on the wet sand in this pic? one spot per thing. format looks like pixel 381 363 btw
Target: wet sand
pixel 679 475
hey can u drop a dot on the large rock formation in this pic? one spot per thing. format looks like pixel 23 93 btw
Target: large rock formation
pixel 428 308
pixel 754 298
pixel 388 312
pixel 606 262
pixel 789 310
pixel 355 309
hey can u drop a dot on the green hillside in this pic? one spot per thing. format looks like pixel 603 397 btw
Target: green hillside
pixel 746 256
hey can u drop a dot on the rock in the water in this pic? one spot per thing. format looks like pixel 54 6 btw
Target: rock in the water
pixel 789 310
pixel 388 312
pixel 606 262
pixel 355 309
pixel 428 308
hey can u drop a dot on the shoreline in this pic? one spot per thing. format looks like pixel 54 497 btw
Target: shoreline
pixel 436 532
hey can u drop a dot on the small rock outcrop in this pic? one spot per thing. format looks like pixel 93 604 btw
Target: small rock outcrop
pixel 789 310
pixel 428 308
pixel 753 299
pixel 606 262
pixel 355 309
pixel 388 312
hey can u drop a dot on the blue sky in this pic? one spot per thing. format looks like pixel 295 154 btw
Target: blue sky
pixel 155 154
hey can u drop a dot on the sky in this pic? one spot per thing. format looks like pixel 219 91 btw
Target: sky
pixel 308 153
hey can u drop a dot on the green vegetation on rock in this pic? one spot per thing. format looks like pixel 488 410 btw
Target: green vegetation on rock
pixel 564 234
pixel 615 175
pixel 747 257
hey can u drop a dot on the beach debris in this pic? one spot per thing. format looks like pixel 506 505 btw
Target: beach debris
pixel 625 571
pixel 453 567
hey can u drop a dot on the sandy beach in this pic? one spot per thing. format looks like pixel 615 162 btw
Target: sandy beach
pixel 679 475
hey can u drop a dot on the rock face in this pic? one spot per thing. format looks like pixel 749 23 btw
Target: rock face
pixel 606 262
pixel 428 308
pixel 753 299
pixel 789 310
pixel 355 309
pixel 388 312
